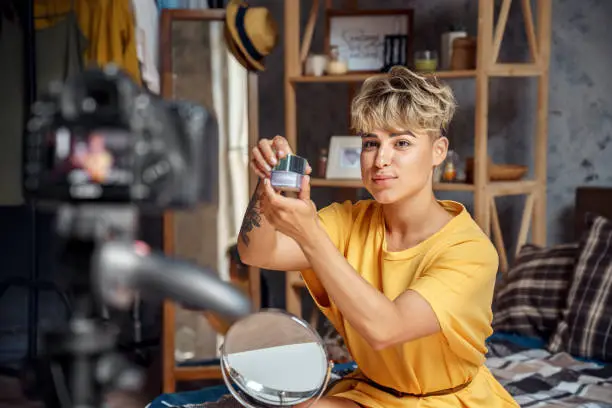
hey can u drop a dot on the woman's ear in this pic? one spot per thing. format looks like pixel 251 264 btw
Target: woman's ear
pixel 440 149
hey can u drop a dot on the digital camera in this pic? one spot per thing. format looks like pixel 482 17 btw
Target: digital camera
pixel 99 137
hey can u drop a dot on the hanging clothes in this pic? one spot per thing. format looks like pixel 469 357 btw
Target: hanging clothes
pixel 112 36
pixel 59 51
pixel 147 44
pixel 47 13
pixel 108 25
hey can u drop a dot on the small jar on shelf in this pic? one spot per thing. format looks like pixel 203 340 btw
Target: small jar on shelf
pixel 322 163
pixel 336 65
pixel 449 172
pixel 426 61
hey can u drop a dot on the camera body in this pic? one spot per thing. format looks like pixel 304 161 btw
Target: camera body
pixel 100 138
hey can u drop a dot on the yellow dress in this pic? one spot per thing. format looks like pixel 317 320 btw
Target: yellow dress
pixel 454 270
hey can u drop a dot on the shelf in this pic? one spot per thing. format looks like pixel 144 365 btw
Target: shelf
pixel 360 77
pixel 515 70
pixel 506 188
pixel 497 70
pixel 205 372
pixel 496 188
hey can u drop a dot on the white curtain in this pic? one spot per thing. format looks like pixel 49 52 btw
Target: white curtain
pixel 238 146
pixel 230 96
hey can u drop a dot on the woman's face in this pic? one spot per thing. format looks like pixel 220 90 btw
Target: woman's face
pixel 398 165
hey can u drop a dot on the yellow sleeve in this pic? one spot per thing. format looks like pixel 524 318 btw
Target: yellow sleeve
pixel 336 219
pixel 459 288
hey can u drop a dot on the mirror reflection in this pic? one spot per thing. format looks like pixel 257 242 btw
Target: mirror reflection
pixel 259 356
pixel 200 68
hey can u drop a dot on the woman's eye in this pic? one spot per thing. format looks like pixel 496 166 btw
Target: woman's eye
pixel 369 144
pixel 403 143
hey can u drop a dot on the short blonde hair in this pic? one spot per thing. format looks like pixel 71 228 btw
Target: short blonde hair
pixel 403 100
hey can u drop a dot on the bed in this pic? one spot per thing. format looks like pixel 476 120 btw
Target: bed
pixel 536 377
pixel 552 345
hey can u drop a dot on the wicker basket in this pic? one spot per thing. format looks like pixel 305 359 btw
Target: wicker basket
pixel 497 172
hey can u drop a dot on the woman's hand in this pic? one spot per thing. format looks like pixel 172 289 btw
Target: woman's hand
pixel 295 217
pixel 267 153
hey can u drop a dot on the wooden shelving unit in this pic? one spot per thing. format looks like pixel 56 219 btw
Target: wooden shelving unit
pixel 489 39
pixel 362 77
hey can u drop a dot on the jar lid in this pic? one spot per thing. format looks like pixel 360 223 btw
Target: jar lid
pixel 292 163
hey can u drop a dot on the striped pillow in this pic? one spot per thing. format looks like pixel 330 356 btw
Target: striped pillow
pixel 532 295
pixel 586 328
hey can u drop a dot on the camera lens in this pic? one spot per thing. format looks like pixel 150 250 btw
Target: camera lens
pixel 100 97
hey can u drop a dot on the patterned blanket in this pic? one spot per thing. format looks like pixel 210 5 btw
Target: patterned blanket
pixel 537 378
pixel 533 376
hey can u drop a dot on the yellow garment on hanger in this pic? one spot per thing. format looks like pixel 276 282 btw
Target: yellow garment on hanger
pixel 112 36
pixel 47 13
pixel 108 25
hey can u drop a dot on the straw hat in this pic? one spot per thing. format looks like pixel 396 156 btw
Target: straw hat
pixel 235 51
pixel 253 31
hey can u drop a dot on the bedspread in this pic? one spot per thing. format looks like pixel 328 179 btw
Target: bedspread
pixel 537 378
pixel 532 375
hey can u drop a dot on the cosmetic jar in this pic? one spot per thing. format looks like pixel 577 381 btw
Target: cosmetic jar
pixel 288 173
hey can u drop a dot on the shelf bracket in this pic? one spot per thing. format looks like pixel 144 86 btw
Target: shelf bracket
pixel 525 222
pixel 498 238
pixel 530 30
pixel 500 29
pixel 309 30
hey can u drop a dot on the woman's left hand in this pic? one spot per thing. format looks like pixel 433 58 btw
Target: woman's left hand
pixel 294 217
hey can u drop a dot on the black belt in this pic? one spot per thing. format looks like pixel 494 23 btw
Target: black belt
pixel 401 394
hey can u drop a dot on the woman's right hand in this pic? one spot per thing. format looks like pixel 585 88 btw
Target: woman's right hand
pixel 267 154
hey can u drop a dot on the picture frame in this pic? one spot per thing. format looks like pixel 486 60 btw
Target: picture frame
pixel 360 35
pixel 344 159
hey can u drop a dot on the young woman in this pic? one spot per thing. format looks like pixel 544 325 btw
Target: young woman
pixel 406 279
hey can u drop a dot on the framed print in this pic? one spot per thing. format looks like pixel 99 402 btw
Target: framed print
pixel 360 36
pixel 344 161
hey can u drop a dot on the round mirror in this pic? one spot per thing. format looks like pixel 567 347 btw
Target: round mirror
pixel 274 359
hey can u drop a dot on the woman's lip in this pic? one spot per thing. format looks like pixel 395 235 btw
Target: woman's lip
pixel 383 178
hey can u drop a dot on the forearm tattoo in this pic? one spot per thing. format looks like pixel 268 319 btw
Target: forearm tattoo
pixel 252 217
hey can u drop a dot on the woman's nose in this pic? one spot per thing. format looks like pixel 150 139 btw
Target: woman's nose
pixel 383 157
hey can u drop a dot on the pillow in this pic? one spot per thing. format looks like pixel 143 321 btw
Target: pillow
pixel 586 328
pixel 334 344
pixel 532 296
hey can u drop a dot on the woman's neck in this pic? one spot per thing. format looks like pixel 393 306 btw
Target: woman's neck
pixel 413 220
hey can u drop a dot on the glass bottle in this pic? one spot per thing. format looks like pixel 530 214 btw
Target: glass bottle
pixel 185 344
pixel 450 167
pixel 322 163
